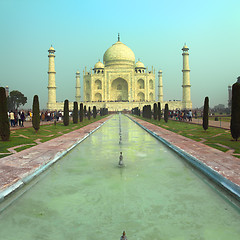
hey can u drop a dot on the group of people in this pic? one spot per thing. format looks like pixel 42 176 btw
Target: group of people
pixel 17 118
pixel 183 115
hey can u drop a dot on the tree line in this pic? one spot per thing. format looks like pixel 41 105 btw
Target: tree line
pixel 78 116
pixel 156 113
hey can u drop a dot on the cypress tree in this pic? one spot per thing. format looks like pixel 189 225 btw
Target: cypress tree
pixel 205 114
pixel 155 111
pixel 66 113
pixel 4 122
pixel 166 113
pixel 75 112
pixel 235 115
pixel 94 111
pixel 89 113
pixel 36 114
pixel 149 112
pixel 81 113
pixel 85 110
pixel 159 111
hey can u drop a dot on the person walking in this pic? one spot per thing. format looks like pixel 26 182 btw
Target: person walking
pixel 19 119
pixel 12 119
pixel 22 118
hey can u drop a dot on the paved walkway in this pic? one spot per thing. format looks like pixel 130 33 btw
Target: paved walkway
pixel 225 164
pixel 29 124
pixel 16 167
pixel 211 123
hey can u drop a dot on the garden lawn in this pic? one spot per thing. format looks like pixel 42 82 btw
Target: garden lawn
pixel 223 119
pixel 218 138
pixel 24 138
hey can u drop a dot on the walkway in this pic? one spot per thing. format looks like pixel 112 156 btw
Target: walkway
pixel 29 124
pixel 14 169
pixel 211 123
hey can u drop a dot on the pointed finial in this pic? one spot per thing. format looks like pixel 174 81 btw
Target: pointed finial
pixel 51 45
pixel 118 37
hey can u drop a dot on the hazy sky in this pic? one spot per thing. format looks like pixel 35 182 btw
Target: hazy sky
pixel 81 31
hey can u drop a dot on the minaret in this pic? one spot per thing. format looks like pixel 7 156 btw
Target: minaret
pixel 160 87
pixel 186 98
pixel 78 94
pixel 51 105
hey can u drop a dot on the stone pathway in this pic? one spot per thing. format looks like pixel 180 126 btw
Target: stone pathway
pixel 211 123
pixel 19 165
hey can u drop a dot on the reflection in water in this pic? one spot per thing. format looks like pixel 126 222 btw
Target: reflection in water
pixel 87 196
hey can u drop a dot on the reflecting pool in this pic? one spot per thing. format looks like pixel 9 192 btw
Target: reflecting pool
pixel 87 196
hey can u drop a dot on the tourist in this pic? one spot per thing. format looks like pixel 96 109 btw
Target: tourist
pixel 190 116
pixel 19 119
pixel 12 119
pixel 123 237
pixel 22 118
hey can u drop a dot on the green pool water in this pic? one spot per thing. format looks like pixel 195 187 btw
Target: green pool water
pixel 87 196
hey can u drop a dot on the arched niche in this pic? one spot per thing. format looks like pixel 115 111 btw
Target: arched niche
pixel 151 96
pixel 140 84
pixel 98 84
pixel 119 90
pixel 98 97
pixel 141 97
pixel 151 84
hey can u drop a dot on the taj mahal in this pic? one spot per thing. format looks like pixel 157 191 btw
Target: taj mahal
pixel 119 83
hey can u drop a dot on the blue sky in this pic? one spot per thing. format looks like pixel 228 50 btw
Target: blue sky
pixel 81 32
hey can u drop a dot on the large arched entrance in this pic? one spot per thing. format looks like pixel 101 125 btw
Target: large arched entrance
pixel 119 90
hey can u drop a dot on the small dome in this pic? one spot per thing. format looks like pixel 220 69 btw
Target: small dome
pixel 77 72
pixel 119 54
pixel 51 48
pixel 139 65
pixel 160 71
pixel 185 47
pixel 98 65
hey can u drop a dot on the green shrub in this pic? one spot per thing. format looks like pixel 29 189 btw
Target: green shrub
pixel 205 113
pixel 81 113
pixel 94 111
pixel 85 110
pixel 159 111
pixel 166 111
pixel 66 113
pixel 235 116
pixel 75 112
pixel 155 111
pixel 36 114
pixel 89 113
pixel 4 122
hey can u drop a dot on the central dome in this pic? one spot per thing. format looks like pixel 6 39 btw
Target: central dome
pixel 119 54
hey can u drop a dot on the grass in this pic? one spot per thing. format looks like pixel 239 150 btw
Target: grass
pixel 45 133
pixel 223 119
pixel 211 137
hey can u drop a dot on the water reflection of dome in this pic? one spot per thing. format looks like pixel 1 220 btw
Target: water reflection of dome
pixel 119 54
